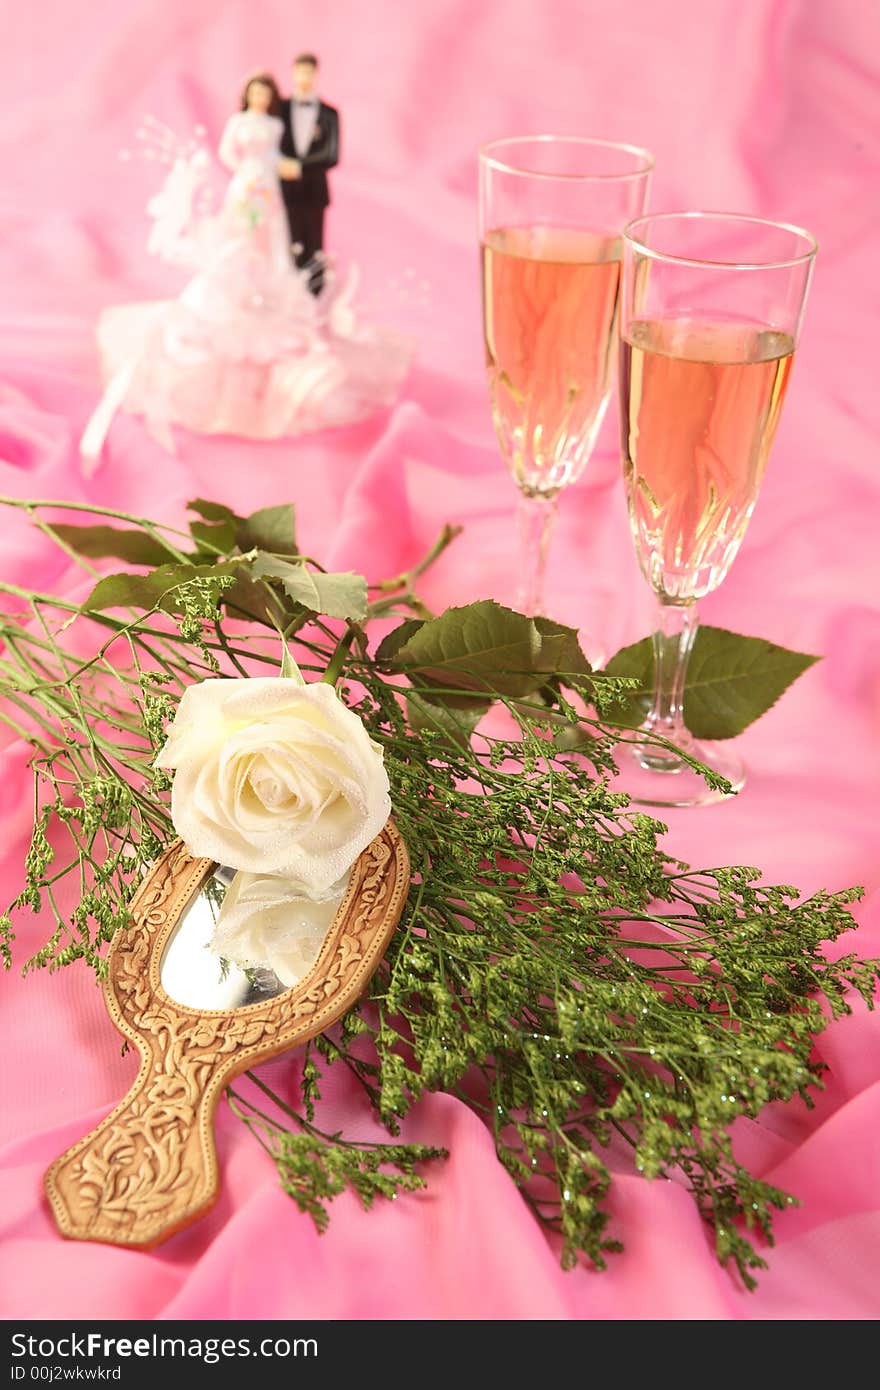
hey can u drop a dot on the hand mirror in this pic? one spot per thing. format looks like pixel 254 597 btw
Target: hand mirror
pixel 150 1167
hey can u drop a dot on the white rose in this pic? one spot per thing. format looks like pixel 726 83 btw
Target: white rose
pixel 265 921
pixel 275 777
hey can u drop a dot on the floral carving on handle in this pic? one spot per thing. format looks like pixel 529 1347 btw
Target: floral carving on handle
pixel 150 1167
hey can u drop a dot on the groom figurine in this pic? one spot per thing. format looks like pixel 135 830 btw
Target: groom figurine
pixel 310 145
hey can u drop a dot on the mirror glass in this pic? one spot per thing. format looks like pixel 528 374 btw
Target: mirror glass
pixel 263 941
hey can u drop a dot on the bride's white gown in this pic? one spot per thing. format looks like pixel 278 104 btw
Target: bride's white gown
pixel 248 302
pixel 245 349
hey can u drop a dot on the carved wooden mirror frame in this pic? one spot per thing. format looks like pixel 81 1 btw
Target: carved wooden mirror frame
pixel 150 1167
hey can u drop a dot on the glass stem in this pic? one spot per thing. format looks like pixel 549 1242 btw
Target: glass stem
pixel 535 519
pixel 673 642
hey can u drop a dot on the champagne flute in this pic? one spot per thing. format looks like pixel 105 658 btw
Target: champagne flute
pixel 552 209
pixel 711 311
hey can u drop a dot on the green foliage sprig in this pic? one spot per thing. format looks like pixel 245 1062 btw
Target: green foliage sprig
pixel 554 969
pixel 315 1166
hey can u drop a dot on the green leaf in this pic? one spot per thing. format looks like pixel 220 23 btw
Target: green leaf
pixel 144 591
pixel 637 662
pixel 455 724
pixel 480 647
pixel 100 542
pixel 393 641
pixel 340 595
pixel 289 669
pixel 249 598
pixel 731 680
pixel 561 650
pixel 333 595
pixel 485 647
pixel 270 528
pixel 219 535
pixel 213 511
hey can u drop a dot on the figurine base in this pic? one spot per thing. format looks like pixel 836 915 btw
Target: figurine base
pixel 152 367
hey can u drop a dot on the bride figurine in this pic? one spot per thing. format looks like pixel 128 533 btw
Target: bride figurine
pixel 246 348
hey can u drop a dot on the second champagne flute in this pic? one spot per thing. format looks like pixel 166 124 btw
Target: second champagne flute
pixel 711 313
pixel 552 209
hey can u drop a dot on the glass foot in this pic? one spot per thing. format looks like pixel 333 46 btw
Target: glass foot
pixel 655 776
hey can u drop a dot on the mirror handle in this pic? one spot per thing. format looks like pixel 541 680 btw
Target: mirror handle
pixel 150 1167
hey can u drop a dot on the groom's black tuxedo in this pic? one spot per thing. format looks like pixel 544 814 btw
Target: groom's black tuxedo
pixel 306 198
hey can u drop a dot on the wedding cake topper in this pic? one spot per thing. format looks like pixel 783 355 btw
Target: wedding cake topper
pixel 264 340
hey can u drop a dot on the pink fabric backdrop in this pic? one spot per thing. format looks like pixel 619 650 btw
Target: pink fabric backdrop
pixel 766 106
